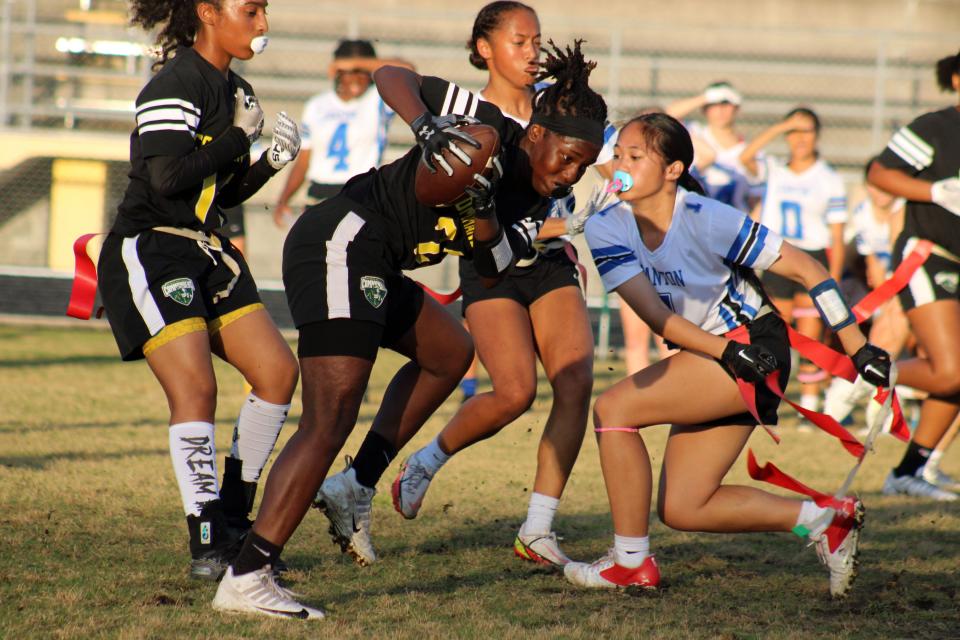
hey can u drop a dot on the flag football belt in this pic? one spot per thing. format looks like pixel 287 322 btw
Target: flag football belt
pixel 84 289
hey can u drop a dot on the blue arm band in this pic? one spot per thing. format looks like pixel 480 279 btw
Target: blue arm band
pixel 831 305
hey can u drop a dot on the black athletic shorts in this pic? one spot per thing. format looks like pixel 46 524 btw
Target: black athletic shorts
pixel 339 280
pixel 151 282
pixel 234 226
pixel 781 288
pixel 522 284
pixel 771 332
pixel 936 279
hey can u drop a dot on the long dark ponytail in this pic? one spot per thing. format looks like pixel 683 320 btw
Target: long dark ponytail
pixel 668 138
pixel 178 17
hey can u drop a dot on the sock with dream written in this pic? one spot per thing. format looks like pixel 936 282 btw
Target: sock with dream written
pixel 194 456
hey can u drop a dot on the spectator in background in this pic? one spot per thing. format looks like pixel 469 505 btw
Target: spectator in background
pixel 805 203
pixel 875 222
pixel 344 130
pixel 717 144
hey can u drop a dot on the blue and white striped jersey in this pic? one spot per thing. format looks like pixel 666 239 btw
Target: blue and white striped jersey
pixel 802 206
pixel 697 269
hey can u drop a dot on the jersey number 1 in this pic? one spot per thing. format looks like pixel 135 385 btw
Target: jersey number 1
pixel 338 147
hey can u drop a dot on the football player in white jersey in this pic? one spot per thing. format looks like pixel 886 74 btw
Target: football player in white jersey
pixel 806 203
pixel 717 143
pixel 683 261
pixel 344 130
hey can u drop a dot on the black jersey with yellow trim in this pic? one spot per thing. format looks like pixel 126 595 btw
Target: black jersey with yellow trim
pixel 419 235
pixel 928 149
pixel 185 106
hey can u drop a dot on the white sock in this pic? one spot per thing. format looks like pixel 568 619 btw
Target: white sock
pixel 194 456
pixel 432 457
pixel 630 552
pixel 811 520
pixel 255 434
pixel 932 465
pixel 810 401
pixel 540 514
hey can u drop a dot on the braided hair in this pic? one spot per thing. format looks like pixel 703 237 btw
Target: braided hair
pixel 487 21
pixel 570 94
pixel 178 17
pixel 946 69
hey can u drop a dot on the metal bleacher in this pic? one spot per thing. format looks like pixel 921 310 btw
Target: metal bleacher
pixel 863 83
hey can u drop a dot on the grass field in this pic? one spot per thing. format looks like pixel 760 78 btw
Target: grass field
pixel 95 544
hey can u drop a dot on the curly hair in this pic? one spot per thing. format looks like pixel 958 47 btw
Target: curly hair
pixel 570 94
pixel 946 69
pixel 178 17
pixel 487 21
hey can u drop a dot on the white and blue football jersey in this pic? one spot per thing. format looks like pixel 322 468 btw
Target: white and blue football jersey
pixel 872 236
pixel 696 269
pixel 345 138
pixel 726 179
pixel 800 207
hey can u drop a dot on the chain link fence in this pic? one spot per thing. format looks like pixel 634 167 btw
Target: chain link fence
pixel 73 68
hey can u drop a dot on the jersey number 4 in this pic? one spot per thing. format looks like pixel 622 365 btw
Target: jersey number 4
pixel 338 147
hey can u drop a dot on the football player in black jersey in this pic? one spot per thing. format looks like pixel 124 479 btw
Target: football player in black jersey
pixel 515 323
pixel 348 296
pixel 174 289
pixel 922 164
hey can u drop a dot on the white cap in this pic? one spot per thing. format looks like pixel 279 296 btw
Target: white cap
pixel 718 93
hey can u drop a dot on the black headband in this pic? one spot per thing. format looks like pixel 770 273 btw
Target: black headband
pixel 574 126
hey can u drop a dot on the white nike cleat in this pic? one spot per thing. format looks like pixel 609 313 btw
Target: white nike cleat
pixel 347 505
pixel 938 478
pixel 839 547
pixel 410 486
pixel 258 592
pixel 917 487
pixel 541 548
pixel 605 573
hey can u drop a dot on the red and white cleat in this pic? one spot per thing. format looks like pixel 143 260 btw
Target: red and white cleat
pixel 607 574
pixel 541 548
pixel 839 546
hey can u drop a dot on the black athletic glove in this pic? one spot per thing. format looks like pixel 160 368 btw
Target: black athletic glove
pixel 873 365
pixel 750 362
pixel 436 133
pixel 483 191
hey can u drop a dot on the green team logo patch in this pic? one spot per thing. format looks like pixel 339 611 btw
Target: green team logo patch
pixel 374 290
pixel 947 280
pixel 179 290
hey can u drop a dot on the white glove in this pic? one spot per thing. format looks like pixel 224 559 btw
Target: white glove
pixel 575 222
pixel 286 142
pixel 946 193
pixel 248 115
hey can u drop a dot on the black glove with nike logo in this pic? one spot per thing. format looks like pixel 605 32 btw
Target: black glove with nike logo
pixel 873 365
pixel 750 362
